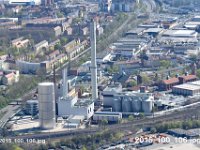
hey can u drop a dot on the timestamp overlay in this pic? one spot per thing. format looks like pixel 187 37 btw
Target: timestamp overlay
pixel 165 139
pixel 22 141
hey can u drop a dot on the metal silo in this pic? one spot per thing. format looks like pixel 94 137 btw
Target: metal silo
pixel 147 106
pixel 46 97
pixel 137 105
pixel 126 105
pixel 117 105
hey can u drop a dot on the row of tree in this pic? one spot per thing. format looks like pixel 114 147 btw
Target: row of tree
pixel 84 142
pixel 164 127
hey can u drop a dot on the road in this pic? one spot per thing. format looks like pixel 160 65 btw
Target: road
pixel 10 111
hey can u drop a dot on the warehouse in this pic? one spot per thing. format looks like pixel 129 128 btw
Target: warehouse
pixel 180 33
pixel 109 116
pixel 153 31
pixel 188 89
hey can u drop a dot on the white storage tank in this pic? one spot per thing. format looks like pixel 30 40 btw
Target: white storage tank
pixel 126 105
pixel 117 105
pixel 147 106
pixel 46 97
pixel 137 105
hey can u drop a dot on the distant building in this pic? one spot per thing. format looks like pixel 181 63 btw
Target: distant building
pixel 20 42
pixel 105 5
pixel 122 5
pixel 171 82
pixel 10 77
pixel 128 47
pixel 128 66
pixel 57 30
pixel 84 31
pixel 38 47
pixel 69 31
pixel 73 48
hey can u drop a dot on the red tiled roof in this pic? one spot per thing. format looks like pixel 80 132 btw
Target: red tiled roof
pixel 189 77
pixel 171 81
pixel 10 75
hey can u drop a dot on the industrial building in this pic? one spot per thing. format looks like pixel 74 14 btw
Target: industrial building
pixel 105 5
pixel 46 97
pixel 73 106
pixel 31 107
pixel 70 105
pixel 180 33
pixel 179 36
pixel 127 102
pixel 187 89
pixel 127 47
pixel 171 82
pixel 122 5
pixel 109 116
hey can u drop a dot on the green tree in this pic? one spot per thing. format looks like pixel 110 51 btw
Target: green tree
pixel 153 130
pixel 131 83
pixel 146 80
pixel 130 118
pixel 84 148
pixel 198 73
pixel 58 46
pixel 104 122
pixel 63 41
pixel 165 63
pixel 59 15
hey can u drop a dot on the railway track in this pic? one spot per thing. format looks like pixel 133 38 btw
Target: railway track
pixel 179 115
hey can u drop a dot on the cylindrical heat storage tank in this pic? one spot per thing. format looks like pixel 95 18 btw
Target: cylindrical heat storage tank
pixel 117 105
pixel 147 106
pixel 46 97
pixel 126 105
pixel 136 105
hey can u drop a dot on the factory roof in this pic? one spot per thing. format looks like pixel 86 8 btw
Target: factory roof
pixel 127 62
pixel 41 43
pixel 188 77
pixel 187 86
pixel 178 39
pixel 171 81
pixel 32 101
pixel 179 33
pixel 84 103
pixel 77 117
pixel 46 83
pixel 196 82
pixel 153 30
pixel 135 31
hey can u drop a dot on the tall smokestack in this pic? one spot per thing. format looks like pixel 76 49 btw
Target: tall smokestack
pixel 65 83
pixel 93 60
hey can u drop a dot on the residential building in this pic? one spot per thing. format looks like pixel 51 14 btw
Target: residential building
pixel 39 46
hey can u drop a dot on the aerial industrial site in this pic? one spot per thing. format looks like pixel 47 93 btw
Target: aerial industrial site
pixel 99 74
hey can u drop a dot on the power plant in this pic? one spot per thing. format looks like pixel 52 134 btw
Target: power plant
pixel 93 60
pixel 127 102
pixel 46 97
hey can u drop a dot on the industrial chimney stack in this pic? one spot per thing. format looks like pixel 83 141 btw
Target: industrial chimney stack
pixel 93 60
pixel 65 83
